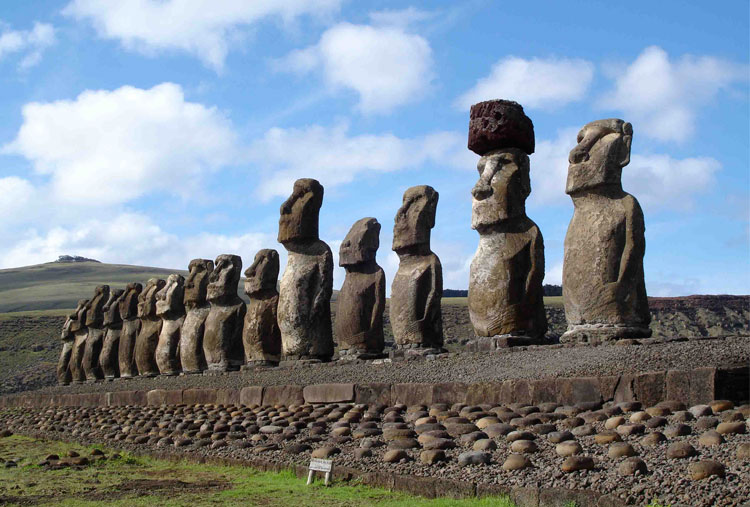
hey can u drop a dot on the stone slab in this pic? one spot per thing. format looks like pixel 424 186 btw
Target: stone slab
pixel 164 397
pixel 283 395
pixel 251 395
pixel 199 396
pixel 328 393
pixel 373 394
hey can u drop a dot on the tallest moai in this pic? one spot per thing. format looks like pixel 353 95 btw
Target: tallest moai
pixel 505 281
pixel 603 283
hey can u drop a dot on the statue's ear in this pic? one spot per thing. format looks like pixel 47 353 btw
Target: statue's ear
pixel 627 142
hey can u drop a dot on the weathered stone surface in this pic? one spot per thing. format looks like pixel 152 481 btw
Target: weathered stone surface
pixel 108 360
pixel 632 465
pixel 197 308
pixel 505 279
pixel 67 335
pixel 304 310
pixel 80 332
pixel 251 396
pixel 222 337
pixel 417 288
pixel 170 307
pixel 373 394
pixel 283 395
pixel 680 450
pixel 164 397
pixel 705 469
pixel 95 336
pixel 603 284
pixel 498 124
pixel 361 300
pixel 131 324
pixel 474 458
pixel 328 393
pixel 574 463
pixel 261 336
pixel 148 335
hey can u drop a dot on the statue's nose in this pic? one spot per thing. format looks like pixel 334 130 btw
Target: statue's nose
pixel 481 191
pixel 578 154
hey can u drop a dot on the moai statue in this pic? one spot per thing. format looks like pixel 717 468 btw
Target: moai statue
pixel 361 301
pixel 307 284
pixel 108 360
pixel 603 286
pixel 95 337
pixel 261 335
pixel 506 299
pixel 417 288
pixel 197 307
pixel 222 339
pixel 64 374
pixel 170 307
pixel 131 325
pixel 80 332
pixel 148 335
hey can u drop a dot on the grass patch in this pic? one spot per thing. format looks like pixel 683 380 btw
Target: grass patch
pixel 130 480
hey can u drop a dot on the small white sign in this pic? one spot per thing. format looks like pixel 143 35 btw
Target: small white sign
pixel 320 465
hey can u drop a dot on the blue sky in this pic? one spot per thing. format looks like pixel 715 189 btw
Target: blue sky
pixel 153 132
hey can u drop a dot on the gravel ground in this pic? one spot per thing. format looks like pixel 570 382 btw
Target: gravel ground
pixel 522 362
pixel 243 431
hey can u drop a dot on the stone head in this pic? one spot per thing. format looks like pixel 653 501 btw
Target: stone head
pixel 361 244
pixel 78 318
pixel 147 298
pixel 196 285
pixel 112 307
pixel 502 188
pixel 499 124
pixel 415 218
pixel 222 283
pixel 263 273
pixel 299 213
pixel 602 151
pixel 95 315
pixel 169 300
pixel 129 300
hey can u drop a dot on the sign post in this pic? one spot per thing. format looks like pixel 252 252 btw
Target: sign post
pixel 320 465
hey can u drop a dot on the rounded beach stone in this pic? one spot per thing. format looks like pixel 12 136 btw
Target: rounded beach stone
pixel 432 457
pixel 656 422
pixel 498 430
pixel 606 437
pixel 710 438
pixel 403 443
pixel 677 430
pixel 496 124
pixel 683 416
pixel 705 469
pixel 484 444
pixel 325 452
pixel 631 466
pixel 524 446
pixel 620 450
pixel 700 410
pixel 627 430
pixel 743 451
pixel 639 417
pixel 395 455
pixel 706 423
pixel 727 428
pixel 516 462
pixel 560 436
pixel 720 406
pixel 653 439
pixel 681 450
pixel 361 453
pixel 474 458
pixel 574 463
pixel 614 422
pixel 583 431
pixel 568 448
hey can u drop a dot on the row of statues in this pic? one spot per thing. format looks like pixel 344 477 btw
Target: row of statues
pixel 178 325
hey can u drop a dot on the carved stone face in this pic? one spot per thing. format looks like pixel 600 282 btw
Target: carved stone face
pixel 361 244
pixel 95 315
pixel 147 299
pixel 299 213
pixel 415 218
pixel 129 301
pixel 602 151
pixel 112 307
pixel 222 283
pixel 502 188
pixel 169 300
pixel 196 285
pixel 78 318
pixel 263 273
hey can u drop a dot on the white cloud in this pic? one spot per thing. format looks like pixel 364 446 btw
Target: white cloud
pixel 29 43
pixel 108 147
pixel 386 66
pixel 662 97
pixel 334 157
pixel 203 28
pixel 400 17
pixel 17 194
pixel 536 83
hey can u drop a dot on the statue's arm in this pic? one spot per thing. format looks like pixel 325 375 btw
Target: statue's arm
pixel 536 271
pixel 635 242
pixel 436 290
pixel 325 287
pixel 379 307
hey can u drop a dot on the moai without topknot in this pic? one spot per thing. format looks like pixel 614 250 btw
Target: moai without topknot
pixel 170 307
pixel 417 288
pixel 95 336
pixel 148 335
pixel 361 301
pixel 108 360
pixel 196 305
pixel 261 336
pixel 64 371
pixel 506 298
pixel 222 339
pixel 603 284
pixel 131 325
pixel 307 284
pixel 80 332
